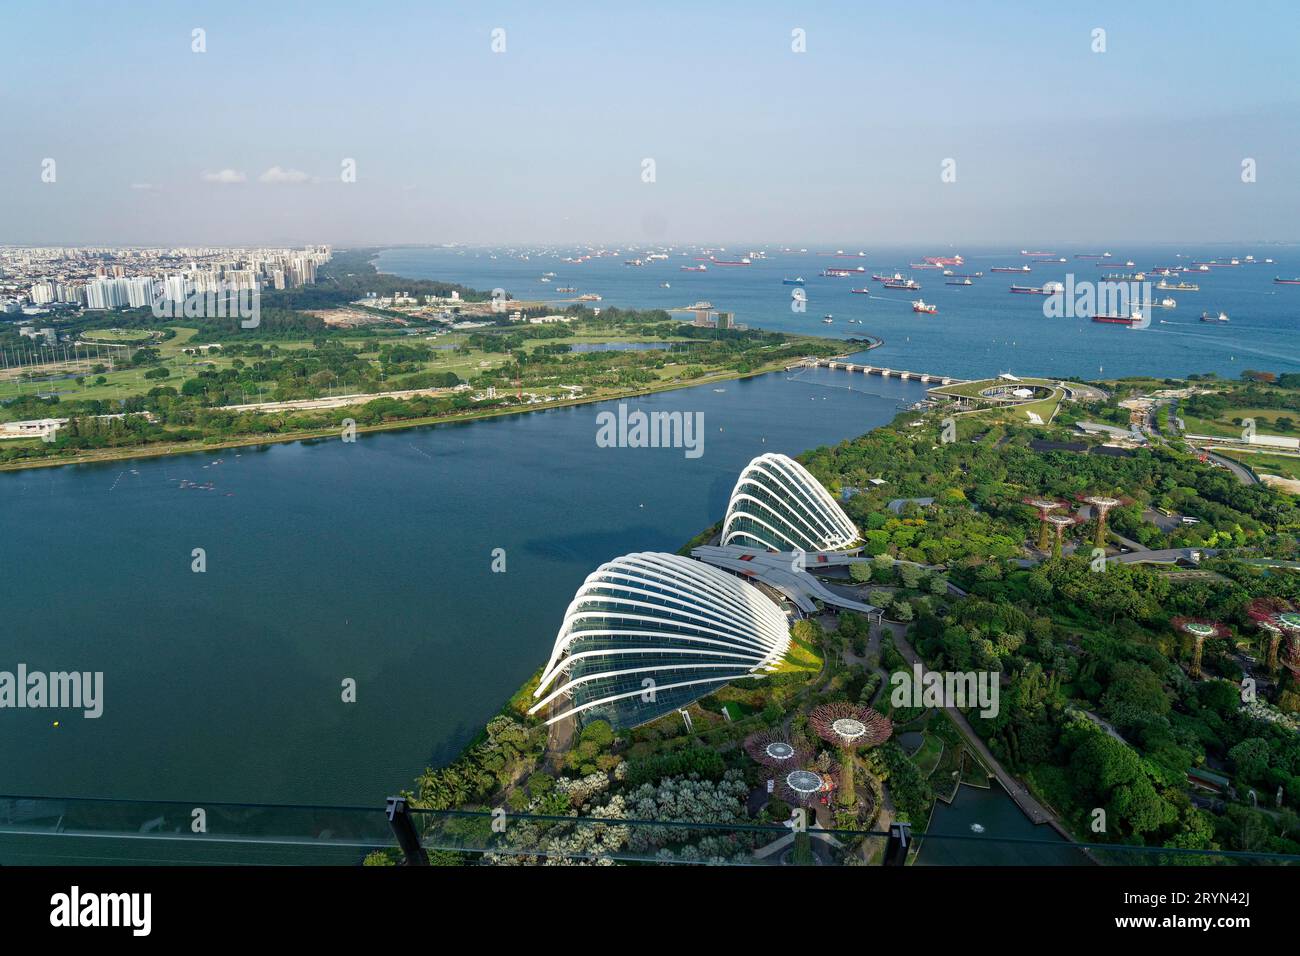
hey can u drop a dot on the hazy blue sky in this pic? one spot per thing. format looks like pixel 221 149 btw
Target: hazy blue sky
pixel 544 142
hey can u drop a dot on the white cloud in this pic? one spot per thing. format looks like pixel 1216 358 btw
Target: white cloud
pixel 225 176
pixel 276 175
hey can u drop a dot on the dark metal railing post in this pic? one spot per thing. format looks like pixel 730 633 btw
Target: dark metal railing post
pixel 900 841
pixel 399 818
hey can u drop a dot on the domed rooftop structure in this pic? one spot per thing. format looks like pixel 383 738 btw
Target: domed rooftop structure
pixel 648 633
pixel 777 504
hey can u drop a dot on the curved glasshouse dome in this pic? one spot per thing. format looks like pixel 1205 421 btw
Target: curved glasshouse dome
pixel 777 504
pixel 648 633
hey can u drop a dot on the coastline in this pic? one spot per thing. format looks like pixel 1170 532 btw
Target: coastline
pixel 157 451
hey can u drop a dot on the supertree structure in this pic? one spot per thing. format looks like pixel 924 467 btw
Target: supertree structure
pixel 803 786
pixel 777 750
pixel 1199 631
pixel 1045 508
pixel 1281 621
pixel 1102 506
pixel 1059 523
pixel 850 728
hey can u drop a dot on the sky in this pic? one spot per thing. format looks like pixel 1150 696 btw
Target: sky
pixel 547 140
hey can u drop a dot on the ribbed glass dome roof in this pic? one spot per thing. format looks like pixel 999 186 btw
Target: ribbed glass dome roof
pixel 650 632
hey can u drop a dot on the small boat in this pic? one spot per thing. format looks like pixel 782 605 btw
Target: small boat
pixel 665 285
pixel 828 320
pixel 861 291
pixel 795 281
pixel 1278 280
pixel 1211 317
pixel 566 288
pixel 920 305
pixel 1168 303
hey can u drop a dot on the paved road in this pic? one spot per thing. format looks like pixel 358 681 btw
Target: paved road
pixel 1036 812
pixel 1243 475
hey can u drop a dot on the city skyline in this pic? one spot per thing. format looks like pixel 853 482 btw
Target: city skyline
pixel 545 142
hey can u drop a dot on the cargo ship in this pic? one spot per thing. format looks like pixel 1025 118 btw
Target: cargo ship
pixel 1164 286
pixel 589 297
pixel 896 277
pixel 1124 277
pixel 911 284
pixel 924 265
pixel 944 260
pixel 920 305
pixel 1129 320
pixel 966 275
pixel 1009 269
pixel 730 262
pixel 842 273
pixel 959 282
pixel 1278 280
pixel 1211 317
pixel 1092 255
pixel 1026 252
pixel 1129 264
pixel 566 288
pixel 796 281
pixel 694 268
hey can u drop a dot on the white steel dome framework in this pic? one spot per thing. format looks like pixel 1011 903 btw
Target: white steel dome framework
pixel 649 632
pixel 777 504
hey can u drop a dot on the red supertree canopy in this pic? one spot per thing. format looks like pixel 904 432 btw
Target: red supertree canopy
pixel 850 726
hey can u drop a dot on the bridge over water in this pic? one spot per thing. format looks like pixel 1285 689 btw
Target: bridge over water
pixel 927 377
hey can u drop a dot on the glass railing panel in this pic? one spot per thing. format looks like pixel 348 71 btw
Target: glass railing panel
pixel 50 831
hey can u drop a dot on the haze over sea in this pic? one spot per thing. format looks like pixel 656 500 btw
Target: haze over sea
pixel 980 330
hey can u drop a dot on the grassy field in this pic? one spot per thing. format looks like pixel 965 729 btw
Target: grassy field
pixel 1224 427
pixel 126 382
pixel 800 657
pixel 1285 465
